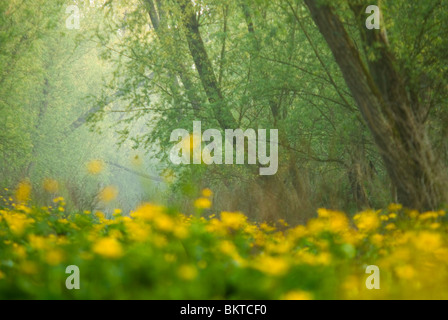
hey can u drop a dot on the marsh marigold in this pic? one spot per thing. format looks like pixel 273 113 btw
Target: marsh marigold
pixel 108 248
pixel 95 166
pixel 108 194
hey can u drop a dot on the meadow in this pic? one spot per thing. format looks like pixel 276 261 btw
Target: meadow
pixel 155 252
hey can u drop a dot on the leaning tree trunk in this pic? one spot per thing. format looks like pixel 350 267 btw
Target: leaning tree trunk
pixel 394 120
pixel 204 66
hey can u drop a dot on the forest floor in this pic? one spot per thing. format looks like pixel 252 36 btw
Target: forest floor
pixel 155 252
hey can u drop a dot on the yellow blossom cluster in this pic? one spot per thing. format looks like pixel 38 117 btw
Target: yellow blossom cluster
pixel 157 252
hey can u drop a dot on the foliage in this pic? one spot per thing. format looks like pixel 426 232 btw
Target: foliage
pixel 85 123
pixel 158 253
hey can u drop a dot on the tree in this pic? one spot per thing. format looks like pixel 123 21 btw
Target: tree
pixel 394 112
pixel 235 65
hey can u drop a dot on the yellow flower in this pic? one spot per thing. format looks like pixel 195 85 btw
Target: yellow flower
pixel 18 222
pixel 108 194
pixel 108 247
pixel 434 225
pixel 100 215
pixel 266 228
pixel 51 185
pixel 147 211
pixel 274 266
pixel 367 221
pixel 116 234
pixel 283 223
pixel 54 257
pixel 428 215
pixel 281 247
pixel 160 241
pixel 394 207
pixel 203 203
pixel 377 239
pixel 323 213
pixel 412 213
pixel 23 208
pixel 297 295
pixel 405 272
pixel 297 232
pixel 428 241
pixel 315 226
pixel 164 222
pixel 207 193
pixel 180 231
pixel 228 248
pixel 400 255
pixel 351 286
pixel 137 232
pixel 187 272
pixel 95 166
pixel 303 256
pixel 58 199
pixel 338 222
pixel 215 226
pixel 234 220
pixel 38 242
pixel 391 226
pixel 323 258
pixel 23 191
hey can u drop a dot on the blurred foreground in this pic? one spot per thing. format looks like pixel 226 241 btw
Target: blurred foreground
pixel 157 253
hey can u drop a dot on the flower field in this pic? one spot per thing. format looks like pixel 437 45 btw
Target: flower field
pixel 157 253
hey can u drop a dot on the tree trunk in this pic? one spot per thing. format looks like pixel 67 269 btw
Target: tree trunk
pixel 204 66
pixel 156 18
pixel 382 98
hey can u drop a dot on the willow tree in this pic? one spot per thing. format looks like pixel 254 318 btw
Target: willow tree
pixel 394 90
